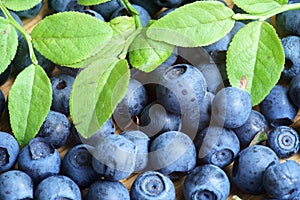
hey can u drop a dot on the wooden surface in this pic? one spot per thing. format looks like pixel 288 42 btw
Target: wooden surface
pixel 4 126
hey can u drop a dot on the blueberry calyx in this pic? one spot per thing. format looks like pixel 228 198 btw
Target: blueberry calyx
pixel 4 156
pixel 39 149
pixel 223 157
pixel 83 158
pixel 205 194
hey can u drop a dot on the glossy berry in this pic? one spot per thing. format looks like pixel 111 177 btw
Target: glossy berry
pixel 32 12
pixel 152 185
pixel 15 185
pixel 249 167
pixel 212 76
pixel 168 3
pixel 150 6
pixel 9 150
pixel 284 141
pixel 107 9
pixel 93 13
pixel 57 187
pixel 291 47
pixel 206 182
pixel 107 190
pixel 58 5
pixel 294 90
pixel 4 76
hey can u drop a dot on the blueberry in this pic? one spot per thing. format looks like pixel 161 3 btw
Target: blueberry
pixel 152 185
pixel 4 76
pixel 77 164
pixel 141 140
pixel 165 12
pixel 284 141
pixel 151 7
pixel 58 5
pixel 57 187
pixel 68 70
pixel 93 13
pixel 294 90
pixel 2 102
pixel 255 124
pixel 16 18
pixel 61 90
pixel 32 12
pixel 212 76
pixel 114 157
pixel 172 58
pixel 218 146
pixel 249 167
pixel 107 190
pixel 282 181
pixel 231 107
pixel 206 182
pixel 172 153
pixel 15 185
pixel 39 160
pixel 74 6
pixel 155 119
pixel 291 47
pixel 168 3
pixel 55 129
pixel 9 150
pixel 107 9
pixel 278 108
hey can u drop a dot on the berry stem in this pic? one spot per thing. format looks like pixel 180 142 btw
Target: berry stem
pixel 26 35
pixel 134 12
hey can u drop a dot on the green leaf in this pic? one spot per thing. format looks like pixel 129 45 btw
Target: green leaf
pixel 29 102
pixel 8 43
pixel 91 2
pixel 197 24
pixel 258 6
pixel 146 54
pixel 255 59
pixel 20 5
pixel 70 37
pixel 123 26
pixel 259 138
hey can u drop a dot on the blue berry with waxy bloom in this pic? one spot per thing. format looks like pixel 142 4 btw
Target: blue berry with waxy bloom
pixel 9 150
pixel 218 146
pixel 284 141
pixel 172 153
pixel 58 5
pixel 212 76
pixel 282 181
pixel 152 185
pixel 278 108
pixel 206 182
pixel 15 185
pixel 291 47
pixel 57 187
pixel 39 160
pixel 32 12
pixel 249 167
pixel 107 9
pixel 4 76
pixel 294 90
pixel 107 190
pixel 168 3
pixel 93 13
pixel 150 6
pixel 2 102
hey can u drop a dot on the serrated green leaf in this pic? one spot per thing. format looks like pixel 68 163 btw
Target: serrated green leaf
pixel 8 43
pixel 70 37
pixel 255 59
pixel 91 2
pixel 20 5
pixel 146 54
pixel 123 26
pixel 197 24
pixel 29 102
pixel 259 6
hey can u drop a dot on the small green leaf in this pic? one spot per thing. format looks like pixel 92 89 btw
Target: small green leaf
pixel 197 24
pixel 70 37
pixel 20 5
pixel 29 102
pixel 259 138
pixel 255 59
pixel 146 54
pixel 91 2
pixel 8 43
pixel 123 26
pixel 257 6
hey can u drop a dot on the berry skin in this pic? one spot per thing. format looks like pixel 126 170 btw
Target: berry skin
pixel 57 187
pixel 294 90
pixel 282 181
pixel 9 150
pixel 291 47
pixel 107 190
pixel 284 141
pixel 93 13
pixel 152 185
pixel 30 13
pixel 107 9
pixel 249 167
pixel 212 76
pixel 206 182
pixel 15 185
pixel 168 3
pixel 150 6
pixel 58 5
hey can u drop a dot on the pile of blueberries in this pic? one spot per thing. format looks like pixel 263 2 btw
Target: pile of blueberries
pixel 183 120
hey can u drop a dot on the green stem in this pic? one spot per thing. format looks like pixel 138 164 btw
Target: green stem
pixel 26 35
pixel 134 12
pixel 267 14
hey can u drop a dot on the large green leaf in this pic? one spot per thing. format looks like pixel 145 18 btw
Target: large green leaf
pixel 91 2
pixel 197 24
pixel 18 5
pixel 255 59
pixel 259 6
pixel 8 43
pixel 29 102
pixel 70 37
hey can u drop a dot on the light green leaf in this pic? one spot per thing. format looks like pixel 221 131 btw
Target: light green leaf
pixel 259 6
pixel 29 102
pixel 8 43
pixel 18 5
pixel 259 138
pixel 70 37
pixel 91 2
pixel 123 26
pixel 197 24
pixel 255 59
pixel 146 54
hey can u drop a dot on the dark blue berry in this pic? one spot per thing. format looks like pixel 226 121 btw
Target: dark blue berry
pixel 9 150
pixel 212 76
pixel 93 13
pixel 294 90
pixel 58 5
pixel 32 12
pixel 150 6
pixel 107 9
pixel 291 47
